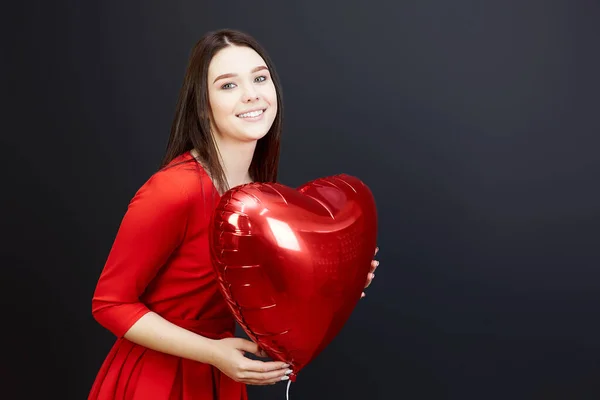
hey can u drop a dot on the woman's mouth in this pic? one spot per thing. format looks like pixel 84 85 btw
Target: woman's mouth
pixel 251 115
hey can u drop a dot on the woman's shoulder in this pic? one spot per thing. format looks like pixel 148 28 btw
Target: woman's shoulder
pixel 182 179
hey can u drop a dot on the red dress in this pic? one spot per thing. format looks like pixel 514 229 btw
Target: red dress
pixel 160 262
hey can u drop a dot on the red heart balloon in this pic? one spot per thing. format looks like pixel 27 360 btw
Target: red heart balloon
pixel 292 263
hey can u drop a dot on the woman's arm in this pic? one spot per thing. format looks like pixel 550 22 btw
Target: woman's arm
pixel 152 228
pixel 156 333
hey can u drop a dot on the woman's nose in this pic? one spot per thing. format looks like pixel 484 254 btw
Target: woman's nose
pixel 250 94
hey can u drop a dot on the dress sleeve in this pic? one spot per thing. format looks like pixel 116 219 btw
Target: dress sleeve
pixel 152 228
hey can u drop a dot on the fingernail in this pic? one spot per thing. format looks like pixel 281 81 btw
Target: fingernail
pixel 372 276
pixel 285 378
pixel 285 365
pixel 289 371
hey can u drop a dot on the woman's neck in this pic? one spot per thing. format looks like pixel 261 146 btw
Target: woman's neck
pixel 235 158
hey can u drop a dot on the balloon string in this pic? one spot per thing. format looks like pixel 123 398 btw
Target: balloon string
pixel 287 392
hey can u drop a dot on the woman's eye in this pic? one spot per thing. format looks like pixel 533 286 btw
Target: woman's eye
pixel 261 78
pixel 228 86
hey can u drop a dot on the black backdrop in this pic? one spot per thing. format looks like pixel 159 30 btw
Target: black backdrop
pixel 474 123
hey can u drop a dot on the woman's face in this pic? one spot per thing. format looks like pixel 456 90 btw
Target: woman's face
pixel 242 95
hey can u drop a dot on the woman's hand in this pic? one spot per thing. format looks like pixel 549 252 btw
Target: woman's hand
pixel 229 358
pixel 374 265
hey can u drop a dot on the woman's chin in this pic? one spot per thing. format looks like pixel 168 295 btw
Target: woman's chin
pixel 253 135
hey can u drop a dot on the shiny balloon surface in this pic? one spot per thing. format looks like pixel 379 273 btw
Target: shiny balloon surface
pixel 292 263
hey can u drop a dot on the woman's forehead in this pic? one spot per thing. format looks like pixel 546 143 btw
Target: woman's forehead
pixel 234 60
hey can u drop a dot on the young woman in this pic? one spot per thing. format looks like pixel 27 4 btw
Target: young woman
pixel 157 292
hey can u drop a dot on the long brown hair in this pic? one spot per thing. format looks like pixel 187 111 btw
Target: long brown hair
pixel 191 125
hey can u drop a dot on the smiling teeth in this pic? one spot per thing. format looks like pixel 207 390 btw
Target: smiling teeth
pixel 251 114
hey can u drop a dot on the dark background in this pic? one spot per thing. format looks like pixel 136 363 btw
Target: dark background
pixel 475 123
